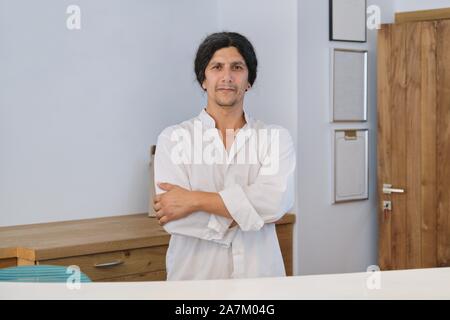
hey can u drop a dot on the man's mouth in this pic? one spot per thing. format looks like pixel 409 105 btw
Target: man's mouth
pixel 225 89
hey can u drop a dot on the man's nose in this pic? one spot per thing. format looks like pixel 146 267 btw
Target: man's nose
pixel 227 75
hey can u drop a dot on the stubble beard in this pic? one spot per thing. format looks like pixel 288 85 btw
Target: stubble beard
pixel 224 102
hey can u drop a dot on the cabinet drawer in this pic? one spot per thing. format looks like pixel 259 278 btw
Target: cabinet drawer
pixel 149 276
pixel 118 263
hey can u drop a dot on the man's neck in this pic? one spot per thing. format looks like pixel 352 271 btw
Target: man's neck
pixel 227 117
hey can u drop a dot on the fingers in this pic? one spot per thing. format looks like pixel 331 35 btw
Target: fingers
pixel 159 214
pixel 163 221
pixel 165 186
pixel 162 218
pixel 157 206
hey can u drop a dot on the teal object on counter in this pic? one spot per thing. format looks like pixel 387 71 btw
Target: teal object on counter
pixel 41 273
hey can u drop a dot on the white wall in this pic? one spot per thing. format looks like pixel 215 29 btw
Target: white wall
pixel 413 5
pixel 340 237
pixel 79 109
pixel 271 26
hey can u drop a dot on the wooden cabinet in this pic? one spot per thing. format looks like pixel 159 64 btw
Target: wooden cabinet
pixel 130 264
pixel 121 248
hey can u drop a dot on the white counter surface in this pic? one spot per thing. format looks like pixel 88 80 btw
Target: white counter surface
pixel 431 283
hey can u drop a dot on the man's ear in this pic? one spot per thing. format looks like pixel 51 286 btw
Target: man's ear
pixel 204 86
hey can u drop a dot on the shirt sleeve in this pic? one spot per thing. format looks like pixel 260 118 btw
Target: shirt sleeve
pixel 169 168
pixel 272 193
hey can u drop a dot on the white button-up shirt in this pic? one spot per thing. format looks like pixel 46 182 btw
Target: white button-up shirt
pixel 256 183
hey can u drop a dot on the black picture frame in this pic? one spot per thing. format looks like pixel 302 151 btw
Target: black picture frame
pixel 332 37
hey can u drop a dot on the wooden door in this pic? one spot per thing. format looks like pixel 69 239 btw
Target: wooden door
pixel 414 144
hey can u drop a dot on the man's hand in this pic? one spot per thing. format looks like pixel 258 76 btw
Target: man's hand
pixel 178 202
pixel 175 203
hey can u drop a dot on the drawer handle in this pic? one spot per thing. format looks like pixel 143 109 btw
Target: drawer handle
pixel 108 264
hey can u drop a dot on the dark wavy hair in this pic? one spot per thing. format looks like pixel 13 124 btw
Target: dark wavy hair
pixel 219 40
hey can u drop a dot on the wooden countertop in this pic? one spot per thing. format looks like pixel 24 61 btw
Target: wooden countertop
pixel 80 237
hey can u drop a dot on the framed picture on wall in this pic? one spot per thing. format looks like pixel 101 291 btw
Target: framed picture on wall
pixel 350 165
pixel 348 20
pixel 348 85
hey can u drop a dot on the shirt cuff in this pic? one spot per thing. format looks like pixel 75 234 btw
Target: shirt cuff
pixel 219 224
pixel 241 209
pixel 217 231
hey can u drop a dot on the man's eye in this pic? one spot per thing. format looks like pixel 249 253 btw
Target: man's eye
pixel 238 67
pixel 215 67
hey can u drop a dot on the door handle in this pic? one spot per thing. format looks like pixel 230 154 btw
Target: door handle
pixel 388 190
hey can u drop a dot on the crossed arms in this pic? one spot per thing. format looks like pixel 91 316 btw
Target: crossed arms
pixel 209 215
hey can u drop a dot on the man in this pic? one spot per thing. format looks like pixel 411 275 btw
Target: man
pixel 222 178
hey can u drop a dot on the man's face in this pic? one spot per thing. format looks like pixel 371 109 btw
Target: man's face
pixel 226 77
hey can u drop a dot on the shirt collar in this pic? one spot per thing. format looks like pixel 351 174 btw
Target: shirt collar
pixel 209 121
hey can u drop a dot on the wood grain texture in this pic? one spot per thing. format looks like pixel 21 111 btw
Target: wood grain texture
pixel 137 240
pixel 422 15
pixel 398 147
pixel 80 237
pixel 285 236
pixel 414 143
pixel 412 115
pixel 443 143
pixel 428 165
pixel 149 276
pixel 384 142
pixel 8 262
pixel 134 261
